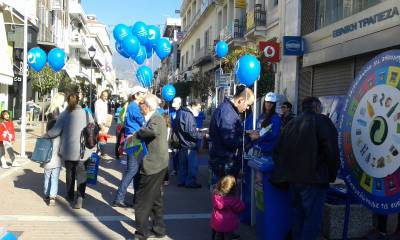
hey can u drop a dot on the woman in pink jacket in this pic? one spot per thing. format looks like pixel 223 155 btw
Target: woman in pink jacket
pixel 226 209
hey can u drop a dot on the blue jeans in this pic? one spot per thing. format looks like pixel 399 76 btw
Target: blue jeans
pixel 307 210
pixel 132 167
pixel 175 160
pixel 188 167
pixel 51 181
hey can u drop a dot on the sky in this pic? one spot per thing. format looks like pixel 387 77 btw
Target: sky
pixel 113 12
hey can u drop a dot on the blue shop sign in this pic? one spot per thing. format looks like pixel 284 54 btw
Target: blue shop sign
pixel 293 46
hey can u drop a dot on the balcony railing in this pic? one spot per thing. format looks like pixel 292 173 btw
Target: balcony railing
pixel 256 18
pixel 202 53
pixel 46 34
pixel 238 28
pixel 233 30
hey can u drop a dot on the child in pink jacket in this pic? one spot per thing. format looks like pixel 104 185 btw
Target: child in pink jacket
pixel 226 209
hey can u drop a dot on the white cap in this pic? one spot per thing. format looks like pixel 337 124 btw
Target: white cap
pixel 270 97
pixel 137 89
pixel 177 102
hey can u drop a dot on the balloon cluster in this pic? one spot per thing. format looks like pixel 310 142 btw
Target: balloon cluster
pixel 138 43
pixel 37 59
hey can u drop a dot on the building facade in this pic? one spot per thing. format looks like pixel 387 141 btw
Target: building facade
pixel 341 41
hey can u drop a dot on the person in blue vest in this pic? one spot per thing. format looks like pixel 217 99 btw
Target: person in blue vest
pixel 268 126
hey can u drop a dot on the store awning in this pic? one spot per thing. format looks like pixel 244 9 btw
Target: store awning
pixel 6 68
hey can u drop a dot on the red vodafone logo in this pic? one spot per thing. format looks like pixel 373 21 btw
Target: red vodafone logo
pixel 271 50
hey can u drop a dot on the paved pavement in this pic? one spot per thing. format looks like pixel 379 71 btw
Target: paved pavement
pixel 23 211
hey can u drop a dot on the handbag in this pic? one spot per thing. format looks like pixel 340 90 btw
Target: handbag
pixel 43 150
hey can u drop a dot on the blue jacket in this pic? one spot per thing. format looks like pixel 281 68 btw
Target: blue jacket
pixel 134 119
pixel 185 127
pixel 226 131
pixel 267 141
pixel 172 114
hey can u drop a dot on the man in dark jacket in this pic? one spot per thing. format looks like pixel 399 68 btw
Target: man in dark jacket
pixel 189 136
pixel 286 113
pixel 307 158
pixel 152 172
pixel 226 133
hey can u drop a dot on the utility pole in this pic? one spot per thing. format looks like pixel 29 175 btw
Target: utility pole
pixel 24 85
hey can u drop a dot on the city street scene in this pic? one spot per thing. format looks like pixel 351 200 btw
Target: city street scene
pixel 200 119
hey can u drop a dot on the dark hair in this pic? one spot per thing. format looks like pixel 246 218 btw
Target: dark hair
pixel 194 103
pixel 268 115
pixel 287 104
pixel 4 112
pixel 73 101
pixel 242 92
pixel 310 104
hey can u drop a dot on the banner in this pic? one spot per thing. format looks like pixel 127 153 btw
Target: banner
pixel 370 134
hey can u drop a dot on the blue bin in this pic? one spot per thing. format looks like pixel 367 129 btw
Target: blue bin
pixel 272 205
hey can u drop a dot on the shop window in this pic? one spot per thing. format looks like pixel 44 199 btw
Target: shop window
pixel 331 11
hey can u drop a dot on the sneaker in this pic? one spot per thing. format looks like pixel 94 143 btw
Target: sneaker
pixel 121 204
pixel 5 166
pixel 78 203
pixel 52 202
pixel 16 164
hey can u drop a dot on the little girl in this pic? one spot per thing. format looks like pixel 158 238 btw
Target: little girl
pixel 7 136
pixel 226 209
pixel 52 170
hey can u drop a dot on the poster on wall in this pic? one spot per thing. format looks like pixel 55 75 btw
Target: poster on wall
pixel 332 107
pixel 370 134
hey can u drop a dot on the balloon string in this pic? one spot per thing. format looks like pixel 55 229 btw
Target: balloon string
pixel 243 149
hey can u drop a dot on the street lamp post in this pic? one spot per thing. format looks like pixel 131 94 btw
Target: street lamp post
pixel 92 54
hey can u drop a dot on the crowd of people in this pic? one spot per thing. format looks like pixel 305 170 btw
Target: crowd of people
pixel 304 149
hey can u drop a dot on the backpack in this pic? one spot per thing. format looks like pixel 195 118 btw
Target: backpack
pixel 89 135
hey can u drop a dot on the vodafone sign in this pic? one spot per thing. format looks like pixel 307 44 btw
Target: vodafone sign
pixel 271 50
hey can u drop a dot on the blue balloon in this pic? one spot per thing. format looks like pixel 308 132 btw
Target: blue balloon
pixel 9 236
pixel 163 48
pixel 153 35
pixel 120 32
pixel 141 56
pixel 37 58
pixel 248 69
pixel 221 49
pixel 140 30
pixel 145 76
pixel 119 49
pixel 168 92
pixel 149 50
pixel 57 59
pixel 131 46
